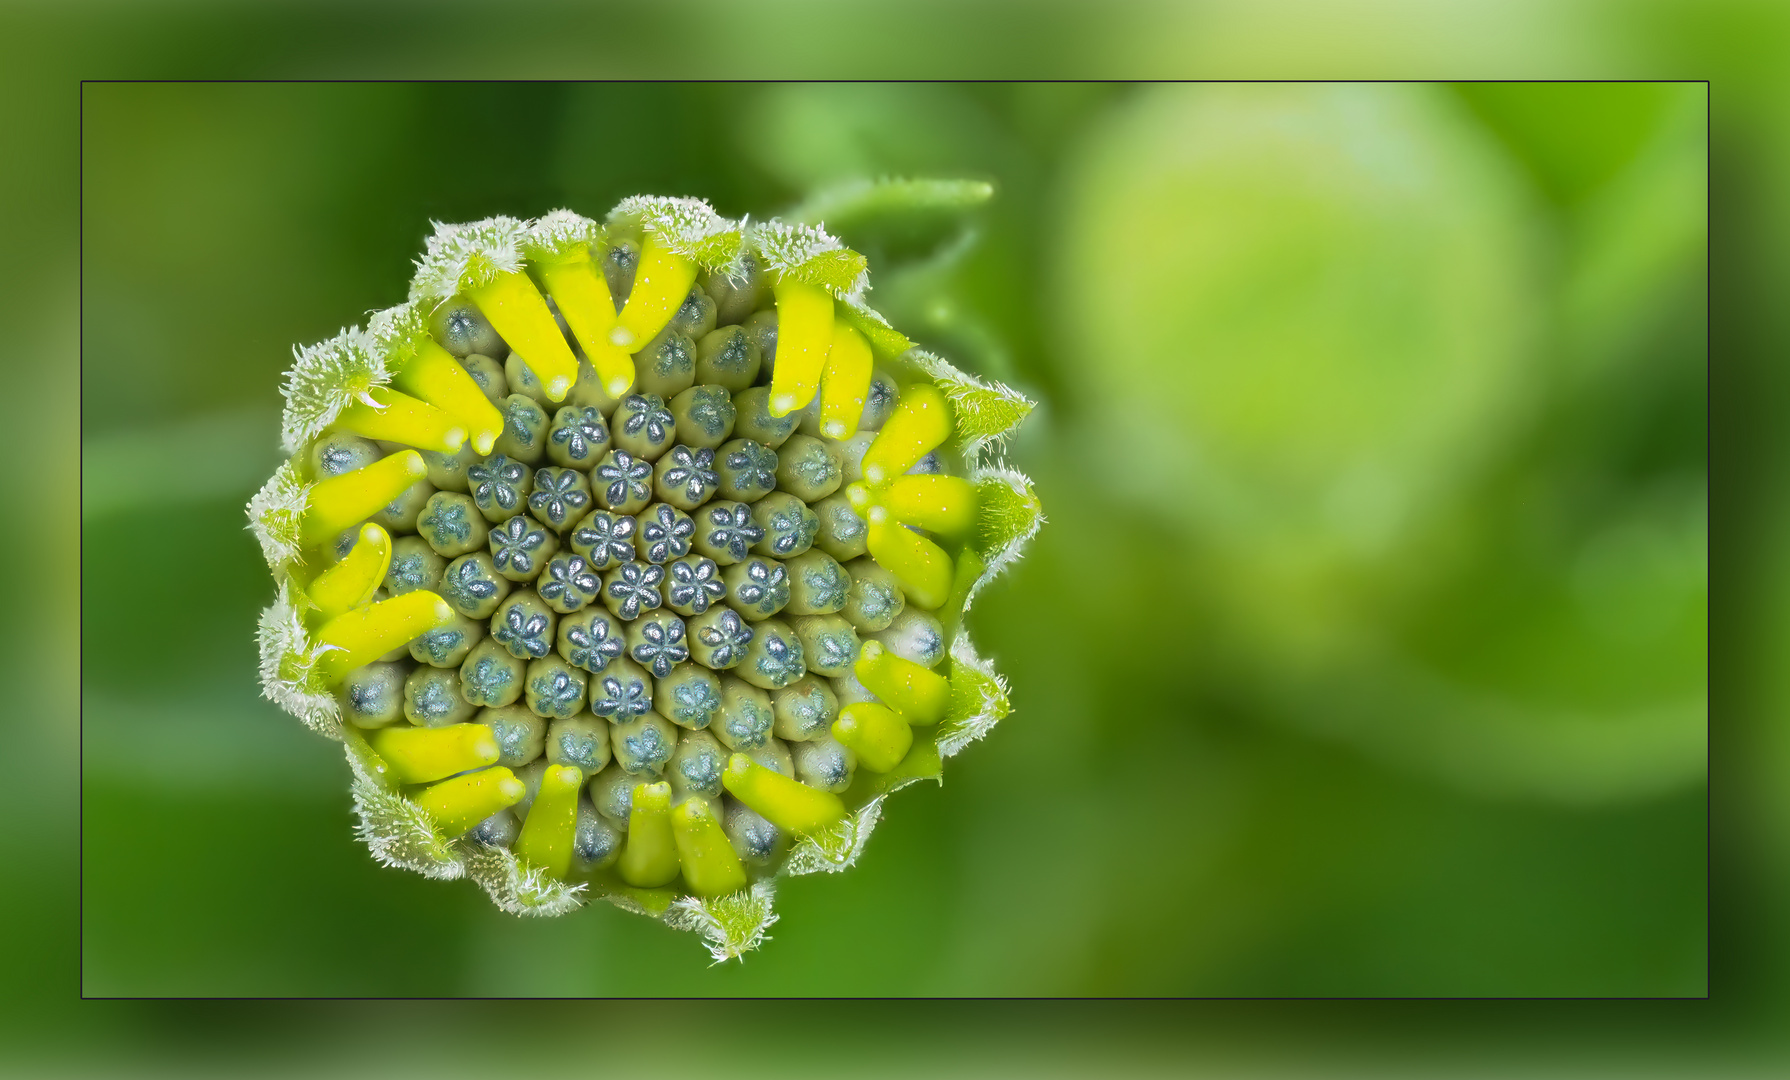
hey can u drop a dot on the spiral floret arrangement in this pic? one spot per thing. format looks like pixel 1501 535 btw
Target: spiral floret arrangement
pixel 631 557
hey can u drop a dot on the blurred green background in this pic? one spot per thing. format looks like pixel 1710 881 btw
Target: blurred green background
pixel 1365 653
pixel 44 1030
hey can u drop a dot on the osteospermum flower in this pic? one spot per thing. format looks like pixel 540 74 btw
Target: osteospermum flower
pixel 696 695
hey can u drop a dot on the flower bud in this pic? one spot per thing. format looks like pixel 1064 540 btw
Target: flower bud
pixel 643 426
pixel 596 844
pixel 829 644
pixel 372 695
pixel 696 766
pixel 554 688
pixel 524 436
pixel 789 526
pixel 804 709
pixel 580 741
pixel 578 438
pixel 472 585
pixel 841 533
pixel 560 497
pixel 817 584
pixel 432 698
pixel 914 635
pixel 621 482
pixel 645 745
pixel 753 421
pixel 667 365
pixel 727 358
pixel 774 658
pixel 452 524
pixel 523 624
pixel 808 468
pixel 540 579
pixel 824 764
pixel 746 469
pixel 487 374
pixel 746 715
pixel 490 676
pixel 689 695
pixel 520 735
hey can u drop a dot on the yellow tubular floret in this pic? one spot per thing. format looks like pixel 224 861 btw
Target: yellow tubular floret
pixel 919 695
pixel 344 501
pixel 435 377
pixel 804 336
pixel 844 383
pixel 783 802
pixel 710 865
pixel 581 293
pixel 546 839
pixel 938 504
pixel 875 733
pixel 395 417
pixel 461 802
pixel 921 423
pixel 921 565
pixel 661 283
pixel 421 755
pixel 352 582
pixel 650 859
pixel 365 634
pixel 519 314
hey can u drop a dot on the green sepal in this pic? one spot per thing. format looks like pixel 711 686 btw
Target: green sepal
pixel 812 256
pixel 1008 513
pixel 288 662
pixel 397 332
pixel 689 227
pixel 461 258
pixel 557 234
pixel 835 271
pixel 276 516
pixel 653 903
pixel 886 342
pixel 731 925
pixel 978 699
pixel 986 412
pixel 836 848
pixel 324 379
pixel 517 887
pixel 395 830
pixel 921 763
